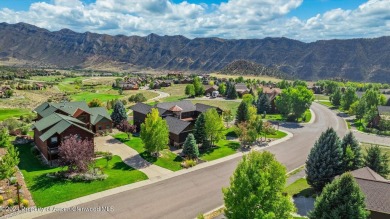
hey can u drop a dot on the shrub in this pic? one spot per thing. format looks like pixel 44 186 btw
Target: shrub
pixel 12 180
pixel 10 202
pixel 25 203
pixel 1 199
pixel 35 151
pixel 188 163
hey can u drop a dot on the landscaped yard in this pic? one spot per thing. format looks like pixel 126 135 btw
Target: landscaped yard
pixel 8 113
pixel 223 148
pixel 166 160
pixel 49 191
pixel 326 103
pixel 278 134
pixel 300 188
pixel 46 78
pixel 223 104
pixel 321 97
pixel 384 149
pixel 279 117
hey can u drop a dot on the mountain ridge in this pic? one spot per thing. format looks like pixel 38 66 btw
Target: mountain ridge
pixel 354 59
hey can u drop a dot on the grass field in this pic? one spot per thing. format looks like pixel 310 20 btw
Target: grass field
pixel 8 113
pixel 88 96
pixel 166 160
pixel 277 135
pixel 175 91
pixel 321 97
pixel 67 84
pixel 300 188
pixel 224 105
pixel 49 191
pixel 261 78
pixel 46 78
pixel 279 117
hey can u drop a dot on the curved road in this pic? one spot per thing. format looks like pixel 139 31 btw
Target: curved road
pixel 187 195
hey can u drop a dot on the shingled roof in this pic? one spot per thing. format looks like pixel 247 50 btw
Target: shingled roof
pixel 376 189
pixel 176 126
pixel 186 105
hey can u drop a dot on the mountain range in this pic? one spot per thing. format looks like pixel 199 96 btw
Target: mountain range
pixel 353 59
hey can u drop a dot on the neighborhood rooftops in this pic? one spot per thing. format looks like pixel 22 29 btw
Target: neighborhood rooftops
pixel 57 123
pixel 184 105
pixel 176 126
pixel 375 188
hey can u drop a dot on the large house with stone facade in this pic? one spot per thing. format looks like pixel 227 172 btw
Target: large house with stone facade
pixel 180 116
pixel 57 121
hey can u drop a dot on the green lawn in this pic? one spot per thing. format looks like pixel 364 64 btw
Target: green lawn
pixel 8 113
pixel 223 148
pixel 46 78
pixel 326 103
pixel 384 149
pixel 278 134
pixel 223 104
pixel 281 118
pixel 88 96
pixel 321 97
pixel 48 191
pixel 166 160
pixel 300 188
pixel 175 91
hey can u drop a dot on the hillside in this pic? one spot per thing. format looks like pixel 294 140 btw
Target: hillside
pixel 355 59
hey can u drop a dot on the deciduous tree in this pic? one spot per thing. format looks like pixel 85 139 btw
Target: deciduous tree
pixel 214 127
pixel 341 199
pixel 126 127
pixel 335 98
pixel 294 101
pixel 95 103
pixel 256 189
pixel 154 132
pixel 348 98
pixel 76 154
pixel 190 90
pixel 227 116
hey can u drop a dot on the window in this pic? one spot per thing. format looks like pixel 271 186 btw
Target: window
pixel 100 127
pixel 54 139
pixel 108 127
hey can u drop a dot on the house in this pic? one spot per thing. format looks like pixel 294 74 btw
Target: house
pixel 209 89
pixel 315 89
pixel 180 117
pixel 56 121
pixel 241 89
pixel 376 190
pixel 166 83
pixel 272 93
pixel 383 114
pixel 126 85
pixel 186 81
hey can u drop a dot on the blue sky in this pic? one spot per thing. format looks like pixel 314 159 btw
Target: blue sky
pixel 306 20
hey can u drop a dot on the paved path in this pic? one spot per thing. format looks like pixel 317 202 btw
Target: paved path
pixel 199 191
pixel 129 156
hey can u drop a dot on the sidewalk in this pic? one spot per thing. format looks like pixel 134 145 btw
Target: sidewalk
pixel 129 156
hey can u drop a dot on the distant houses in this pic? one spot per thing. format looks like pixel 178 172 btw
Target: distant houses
pixel 57 121
pixel 272 93
pixel 241 89
pixel 180 116
pixel 383 114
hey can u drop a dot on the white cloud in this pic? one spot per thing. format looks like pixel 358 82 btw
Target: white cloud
pixel 233 19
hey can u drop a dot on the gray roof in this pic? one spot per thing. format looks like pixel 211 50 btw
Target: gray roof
pixel 377 194
pixel 241 87
pixel 367 173
pixel 142 108
pixel 384 110
pixel 176 126
pixel 203 107
pixel 186 105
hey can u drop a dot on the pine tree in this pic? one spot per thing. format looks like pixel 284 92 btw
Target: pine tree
pixel 263 104
pixel 9 162
pixel 352 156
pixel 190 149
pixel 4 137
pixel 119 113
pixel 377 161
pixel 256 189
pixel 325 160
pixel 231 92
pixel 242 113
pixel 200 131
pixel 341 199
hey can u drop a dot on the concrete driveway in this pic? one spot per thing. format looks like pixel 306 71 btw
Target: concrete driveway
pixel 129 156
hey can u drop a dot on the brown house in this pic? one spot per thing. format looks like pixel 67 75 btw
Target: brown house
pixel 208 89
pixel 241 89
pixel 376 190
pixel 272 93
pixel 180 116
pixel 383 114
pixel 56 121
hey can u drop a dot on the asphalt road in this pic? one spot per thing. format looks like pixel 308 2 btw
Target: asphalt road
pixel 187 195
